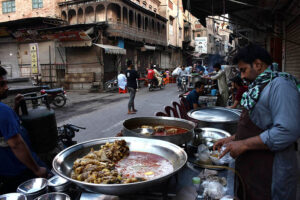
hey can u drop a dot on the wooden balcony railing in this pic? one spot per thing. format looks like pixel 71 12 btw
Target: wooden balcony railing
pixel 135 33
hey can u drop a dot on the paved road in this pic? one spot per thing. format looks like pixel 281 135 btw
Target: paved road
pixel 103 114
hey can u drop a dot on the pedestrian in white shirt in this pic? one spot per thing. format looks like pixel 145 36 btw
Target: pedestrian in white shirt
pixel 122 80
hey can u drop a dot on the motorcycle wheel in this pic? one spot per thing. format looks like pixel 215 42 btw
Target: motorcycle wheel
pixel 59 101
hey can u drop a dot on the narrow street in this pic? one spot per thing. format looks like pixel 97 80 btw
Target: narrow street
pixel 103 113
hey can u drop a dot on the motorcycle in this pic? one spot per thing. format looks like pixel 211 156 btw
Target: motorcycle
pixel 153 84
pixel 111 85
pixel 56 96
pixel 66 133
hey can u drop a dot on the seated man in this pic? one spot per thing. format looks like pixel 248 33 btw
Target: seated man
pixel 193 96
pixel 18 162
pixel 237 83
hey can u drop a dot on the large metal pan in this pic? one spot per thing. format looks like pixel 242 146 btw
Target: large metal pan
pixel 216 117
pixel 134 123
pixel 63 162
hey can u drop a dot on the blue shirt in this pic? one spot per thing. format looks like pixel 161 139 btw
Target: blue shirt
pixel 278 113
pixel 200 68
pixel 9 127
pixel 192 98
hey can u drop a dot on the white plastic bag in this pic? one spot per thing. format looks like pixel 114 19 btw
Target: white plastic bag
pixel 176 71
pixel 213 189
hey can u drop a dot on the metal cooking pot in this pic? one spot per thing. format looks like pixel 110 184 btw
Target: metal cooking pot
pixel 216 117
pixel 130 124
pixel 63 162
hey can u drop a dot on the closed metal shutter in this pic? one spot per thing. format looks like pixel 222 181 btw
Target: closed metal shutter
pixel 293 48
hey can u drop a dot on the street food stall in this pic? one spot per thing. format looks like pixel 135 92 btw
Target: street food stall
pixel 164 158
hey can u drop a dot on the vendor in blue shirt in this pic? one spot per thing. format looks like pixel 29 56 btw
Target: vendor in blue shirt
pixel 18 162
pixel 193 97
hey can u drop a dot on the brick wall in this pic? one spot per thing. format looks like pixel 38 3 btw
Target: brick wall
pixel 24 10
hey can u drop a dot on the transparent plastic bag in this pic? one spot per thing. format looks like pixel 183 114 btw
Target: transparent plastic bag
pixel 204 155
pixel 213 189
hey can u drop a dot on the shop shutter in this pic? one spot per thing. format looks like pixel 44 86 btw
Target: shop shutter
pixel 293 48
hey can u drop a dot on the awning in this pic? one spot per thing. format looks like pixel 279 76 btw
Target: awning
pixel 147 47
pixel 75 44
pixel 109 49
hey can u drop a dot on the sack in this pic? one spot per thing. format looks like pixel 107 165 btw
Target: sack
pixel 176 71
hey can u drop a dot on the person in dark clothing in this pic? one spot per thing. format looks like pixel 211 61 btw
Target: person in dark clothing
pixel 237 83
pixel 18 162
pixel 132 76
pixel 193 96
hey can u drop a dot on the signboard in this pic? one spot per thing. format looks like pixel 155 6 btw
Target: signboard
pixel 34 57
pixel 201 44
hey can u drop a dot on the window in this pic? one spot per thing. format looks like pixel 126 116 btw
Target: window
pixel 8 6
pixel 37 3
pixel 198 35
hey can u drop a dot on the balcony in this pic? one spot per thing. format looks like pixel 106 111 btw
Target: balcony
pixel 118 29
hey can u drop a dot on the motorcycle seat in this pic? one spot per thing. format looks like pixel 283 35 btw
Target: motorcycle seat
pixel 55 90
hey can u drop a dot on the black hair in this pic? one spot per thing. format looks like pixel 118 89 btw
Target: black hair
pixel 122 72
pixel 129 63
pixel 198 84
pixel 217 65
pixel 3 72
pixel 252 52
pixel 237 80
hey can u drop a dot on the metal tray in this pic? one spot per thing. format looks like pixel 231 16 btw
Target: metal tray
pixel 63 162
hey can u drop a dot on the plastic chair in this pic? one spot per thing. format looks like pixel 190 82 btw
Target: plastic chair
pixel 122 91
pixel 171 111
pixel 161 114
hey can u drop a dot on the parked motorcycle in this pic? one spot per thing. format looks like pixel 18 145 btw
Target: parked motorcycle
pixel 56 96
pixel 111 85
pixel 66 133
pixel 153 84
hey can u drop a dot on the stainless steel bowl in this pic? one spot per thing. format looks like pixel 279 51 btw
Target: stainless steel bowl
pixel 216 117
pixel 132 124
pixel 209 136
pixel 58 184
pixel 63 162
pixel 13 196
pixel 54 196
pixel 33 187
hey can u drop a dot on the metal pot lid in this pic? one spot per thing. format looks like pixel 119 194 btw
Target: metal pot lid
pixel 214 114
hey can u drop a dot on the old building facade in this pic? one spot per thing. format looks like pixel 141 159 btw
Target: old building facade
pixel 83 43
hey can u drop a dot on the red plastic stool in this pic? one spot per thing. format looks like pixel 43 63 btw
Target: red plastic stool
pixel 122 91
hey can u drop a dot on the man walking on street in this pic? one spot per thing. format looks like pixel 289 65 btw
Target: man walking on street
pixel 132 76
pixel 264 143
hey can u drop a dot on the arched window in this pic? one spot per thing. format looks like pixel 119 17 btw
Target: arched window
pixel 100 13
pixel 89 15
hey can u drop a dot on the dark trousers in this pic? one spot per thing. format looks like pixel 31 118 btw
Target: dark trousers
pixel 132 92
